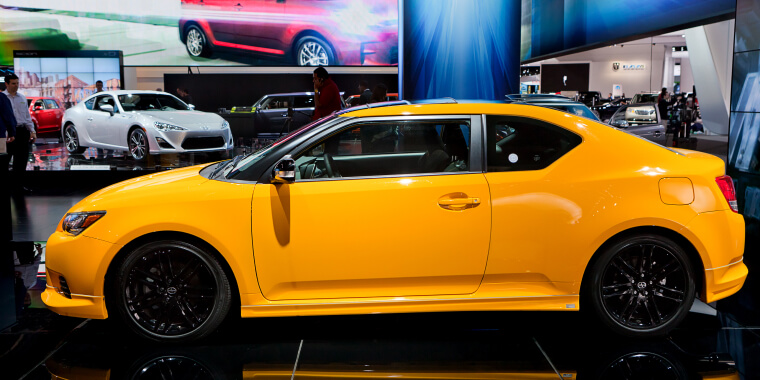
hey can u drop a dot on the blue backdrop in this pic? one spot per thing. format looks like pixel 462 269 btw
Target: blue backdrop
pixel 464 49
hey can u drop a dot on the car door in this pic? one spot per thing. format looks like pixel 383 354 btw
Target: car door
pixel 303 106
pixel 261 24
pixel 53 115
pixel 270 116
pixel 37 109
pixel 409 215
pixel 104 127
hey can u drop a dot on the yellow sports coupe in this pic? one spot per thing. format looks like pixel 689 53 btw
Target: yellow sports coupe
pixel 399 208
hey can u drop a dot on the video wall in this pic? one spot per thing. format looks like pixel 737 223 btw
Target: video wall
pixel 67 76
pixel 555 27
pixel 565 77
pixel 209 33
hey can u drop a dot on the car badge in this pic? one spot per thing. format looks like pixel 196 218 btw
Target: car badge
pixel 205 128
pixel 615 65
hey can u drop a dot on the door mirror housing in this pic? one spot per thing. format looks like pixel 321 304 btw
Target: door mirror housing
pixel 191 106
pixel 107 108
pixel 284 171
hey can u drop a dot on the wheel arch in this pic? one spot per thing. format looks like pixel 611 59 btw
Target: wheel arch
pixel 167 235
pixel 311 33
pixel 691 252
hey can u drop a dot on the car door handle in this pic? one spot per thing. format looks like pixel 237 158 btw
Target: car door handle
pixel 89 119
pixel 657 133
pixel 458 202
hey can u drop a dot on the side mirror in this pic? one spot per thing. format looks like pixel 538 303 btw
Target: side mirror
pixel 107 108
pixel 38 108
pixel 284 171
pixel 191 106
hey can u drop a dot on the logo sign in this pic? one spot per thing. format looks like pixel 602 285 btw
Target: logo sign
pixel 633 67
pixel 615 66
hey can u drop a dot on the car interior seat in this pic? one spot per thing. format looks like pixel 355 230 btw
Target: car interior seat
pixel 435 158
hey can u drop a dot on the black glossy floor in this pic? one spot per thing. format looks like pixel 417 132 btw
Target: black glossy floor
pixel 715 342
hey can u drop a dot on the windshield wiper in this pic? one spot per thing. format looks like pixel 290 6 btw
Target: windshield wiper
pixel 224 164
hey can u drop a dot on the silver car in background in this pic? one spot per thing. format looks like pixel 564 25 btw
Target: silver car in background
pixel 143 123
pixel 643 120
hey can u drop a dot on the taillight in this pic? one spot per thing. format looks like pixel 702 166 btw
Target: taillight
pixel 726 185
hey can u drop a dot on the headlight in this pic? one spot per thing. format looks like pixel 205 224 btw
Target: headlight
pixel 163 127
pixel 225 124
pixel 76 222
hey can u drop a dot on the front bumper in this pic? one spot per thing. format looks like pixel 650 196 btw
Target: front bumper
pixel 191 141
pixel 83 262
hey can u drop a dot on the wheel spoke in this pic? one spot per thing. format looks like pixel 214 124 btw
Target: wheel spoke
pixel 653 302
pixel 165 265
pixel 627 291
pixel 630 308
pixel 624 268
pixel 187 272
pixel 188 313
pixel 679 300
pixel 200 292
pixel 149 275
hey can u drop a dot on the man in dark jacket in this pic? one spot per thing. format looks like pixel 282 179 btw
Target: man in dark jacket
pixel 326 94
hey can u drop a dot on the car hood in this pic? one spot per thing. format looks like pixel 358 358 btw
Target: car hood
pixel 185 118
pixel 156 187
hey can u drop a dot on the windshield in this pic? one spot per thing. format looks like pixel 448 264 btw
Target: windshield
pixel 577 110
pixel 256 156
pixel 151 102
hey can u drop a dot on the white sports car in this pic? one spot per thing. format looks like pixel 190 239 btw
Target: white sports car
pixel 143 123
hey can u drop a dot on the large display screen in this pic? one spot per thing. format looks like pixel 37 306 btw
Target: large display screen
pixel 565 77
pixel 68 76
pixel 209 32
pixel 551 27
pixel 460 49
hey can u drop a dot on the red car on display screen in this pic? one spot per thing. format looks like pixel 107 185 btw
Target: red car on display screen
pixel 306 32
pixel 47 114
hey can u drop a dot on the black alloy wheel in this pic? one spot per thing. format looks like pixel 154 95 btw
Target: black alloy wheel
pixel 643 286
pixel 138 144
pixel 172 291
pixel 71 140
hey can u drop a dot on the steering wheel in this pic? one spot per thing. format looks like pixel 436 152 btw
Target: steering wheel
pixel 329 165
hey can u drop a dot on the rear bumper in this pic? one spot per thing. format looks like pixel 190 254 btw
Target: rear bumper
pixel 725 281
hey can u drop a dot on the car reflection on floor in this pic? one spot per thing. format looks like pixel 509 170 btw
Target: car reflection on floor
pixel 425 346
pixel 48 154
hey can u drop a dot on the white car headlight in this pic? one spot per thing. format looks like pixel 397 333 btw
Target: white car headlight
pixel 76 222
pixel 225 124
pixel 163 127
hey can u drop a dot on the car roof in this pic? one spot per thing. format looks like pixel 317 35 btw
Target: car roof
pixel 290 94
pixel 445 107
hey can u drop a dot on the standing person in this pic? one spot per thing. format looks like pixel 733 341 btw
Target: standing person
pixel 379 93
pixel 25 133
pixel 7 129
pixel 326 94
pixel 365 95
pixel 663 101
pixel 99 86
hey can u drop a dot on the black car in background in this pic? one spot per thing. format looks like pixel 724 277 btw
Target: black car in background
pixel 557 102
pixel 590 98
pixel 607 109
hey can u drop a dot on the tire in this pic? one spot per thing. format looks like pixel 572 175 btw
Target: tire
pixel 642 286
pixel 196 42
pixel 313 51
pixel 137 142
pixel 71 140
pixel 171 291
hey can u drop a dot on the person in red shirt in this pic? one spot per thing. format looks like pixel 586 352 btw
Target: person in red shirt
pixel 326 94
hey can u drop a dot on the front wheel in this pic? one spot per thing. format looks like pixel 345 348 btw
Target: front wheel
pixel 642 286
pixel 138 144
pixel 71 140
pixel 196 42
pixel 172 291
pixel 313 51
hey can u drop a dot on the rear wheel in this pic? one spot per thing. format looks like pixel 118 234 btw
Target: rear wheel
pixel 172 291
pixel 642 286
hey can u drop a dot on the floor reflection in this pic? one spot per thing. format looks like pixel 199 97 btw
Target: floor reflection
pixel 427 346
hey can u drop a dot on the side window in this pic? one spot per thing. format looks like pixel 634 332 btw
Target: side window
pixel 50 104
pixel 38 103
pixel 90 104
pixel 303 101
pixel 516 144
pixel 389 148
pixel 275 102
pixel 103 100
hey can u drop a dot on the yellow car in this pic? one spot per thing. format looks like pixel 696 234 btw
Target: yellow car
pixel 409 208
